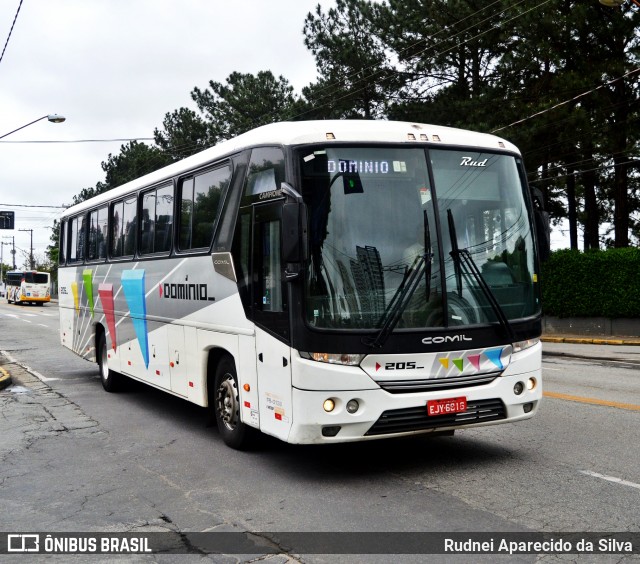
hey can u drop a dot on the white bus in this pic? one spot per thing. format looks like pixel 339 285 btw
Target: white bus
pixel 28 286
pixel 320 282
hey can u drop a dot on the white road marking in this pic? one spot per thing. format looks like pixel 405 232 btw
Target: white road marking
pixel 611 479
pixel 27 368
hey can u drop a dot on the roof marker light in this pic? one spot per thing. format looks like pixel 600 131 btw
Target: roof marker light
pixel 330 136
pixel 423 137
pixel 411 137
pixel 435 137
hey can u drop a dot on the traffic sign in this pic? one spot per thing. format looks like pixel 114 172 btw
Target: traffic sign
pixel 7 219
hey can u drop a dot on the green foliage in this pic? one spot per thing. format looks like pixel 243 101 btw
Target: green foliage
pixel 357 78
pixel 244 102
pixel 592 284
pixel 134 160
pixel 185 133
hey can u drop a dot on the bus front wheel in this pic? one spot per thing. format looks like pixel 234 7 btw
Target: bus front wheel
pixel 111 381
pixel 226 406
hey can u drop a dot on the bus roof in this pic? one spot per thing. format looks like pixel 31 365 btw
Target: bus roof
pixel 307 132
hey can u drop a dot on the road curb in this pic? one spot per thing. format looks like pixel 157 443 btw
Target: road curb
pixel 591 341
pixel 5 378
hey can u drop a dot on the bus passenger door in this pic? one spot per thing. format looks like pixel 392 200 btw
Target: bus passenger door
pixel 271 316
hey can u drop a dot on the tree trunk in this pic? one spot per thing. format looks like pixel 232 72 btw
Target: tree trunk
pixel 573 215
pixel 591 211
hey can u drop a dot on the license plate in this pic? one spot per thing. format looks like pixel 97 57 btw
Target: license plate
pixel 447 406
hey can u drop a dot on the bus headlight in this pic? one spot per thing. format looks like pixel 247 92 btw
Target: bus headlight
pixel 522 345
pixel 334 358
pixel 329 405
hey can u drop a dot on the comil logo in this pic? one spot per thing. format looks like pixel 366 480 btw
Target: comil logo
pixel 445 339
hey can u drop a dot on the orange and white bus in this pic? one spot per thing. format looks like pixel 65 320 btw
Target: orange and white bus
pixel 28 286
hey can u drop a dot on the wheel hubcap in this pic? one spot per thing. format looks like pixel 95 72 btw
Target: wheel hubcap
pixel 227 403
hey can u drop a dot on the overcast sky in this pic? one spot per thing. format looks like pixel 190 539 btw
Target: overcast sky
pixel 114 68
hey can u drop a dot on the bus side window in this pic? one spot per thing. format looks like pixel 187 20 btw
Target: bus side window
pixel 200 200
pixel 77 236
pixel 123 228
pixel 147 225
pixel 97 224
pixel 116 229
pixel 129 221
pixel 157 220
pixel 266 172
pixel 92 251
pixel 62 253
pixel 270 268
pixel 102 233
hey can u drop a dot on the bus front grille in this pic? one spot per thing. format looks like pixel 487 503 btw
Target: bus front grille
pixel 429 384
pixel 416 418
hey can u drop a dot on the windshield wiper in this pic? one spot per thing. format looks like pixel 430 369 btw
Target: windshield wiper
pixel 462 257
pixel 421 266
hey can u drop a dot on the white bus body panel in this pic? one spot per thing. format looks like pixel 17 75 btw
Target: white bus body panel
pixel 274 384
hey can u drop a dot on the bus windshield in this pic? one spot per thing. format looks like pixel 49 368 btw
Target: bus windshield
pixel 372 211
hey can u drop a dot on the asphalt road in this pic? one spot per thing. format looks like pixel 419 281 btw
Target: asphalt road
pixel 74 458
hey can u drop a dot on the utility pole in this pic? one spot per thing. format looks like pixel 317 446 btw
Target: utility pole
pixel 13 248
pixel 31 265
pixel 2 244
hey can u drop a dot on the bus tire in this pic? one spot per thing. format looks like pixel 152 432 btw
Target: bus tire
pixel 226 407
pixel 111 381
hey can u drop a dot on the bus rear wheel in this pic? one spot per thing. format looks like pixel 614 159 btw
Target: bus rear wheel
pixel 111 381
pixel 226 407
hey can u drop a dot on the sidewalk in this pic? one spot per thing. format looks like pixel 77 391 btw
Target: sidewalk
pixel 617 348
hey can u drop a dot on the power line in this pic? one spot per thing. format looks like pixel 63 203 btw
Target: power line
pixel 85 140
pixel 565 102
pixel 30 206
pixel 11 31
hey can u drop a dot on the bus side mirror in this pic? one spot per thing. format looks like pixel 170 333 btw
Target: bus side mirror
pixel 294 232
pixel 541 224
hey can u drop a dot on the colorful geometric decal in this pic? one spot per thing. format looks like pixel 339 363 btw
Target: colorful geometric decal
pixel 133 286
pixel 474 359
pixel 105 291
pixel 87 277
pixel 74 291
pixel 494 356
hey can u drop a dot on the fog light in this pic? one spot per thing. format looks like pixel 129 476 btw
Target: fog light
pixel 527 407
pixel 352 406
pixel 329 405
pixel 330 431
pixel 531 384
pixel 518 388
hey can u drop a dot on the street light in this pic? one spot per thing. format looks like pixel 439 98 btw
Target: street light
pixel 53 118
